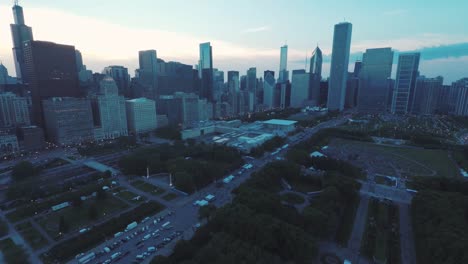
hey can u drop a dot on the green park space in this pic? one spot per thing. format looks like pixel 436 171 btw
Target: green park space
pixel 76 217
pixel 292 198
pixel 31 235
pixel 381 239
pixel 148 187
pixel 169 196
pixel 12 253
pixel 412 161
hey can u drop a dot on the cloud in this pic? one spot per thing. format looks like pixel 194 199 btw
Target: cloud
pixel 257 29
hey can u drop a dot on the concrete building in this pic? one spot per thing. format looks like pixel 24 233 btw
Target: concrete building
pixel 407 72
pixel 315 76
pixel 120 76
pixel 20 33
pixel 8 144
pixel 339 66
pixel 269 84
pixel 460 88
pixel 14 110
pixel 205 67
pixel 280 126
pixel 68 120
pixel 109 112
pixel 141 115
pixel 299 88
pixel 373 80
pixel 282 95
pixel 148 72
pixel 31 138
pixel 426 95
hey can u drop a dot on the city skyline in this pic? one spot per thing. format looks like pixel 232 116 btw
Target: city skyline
pixel 237 51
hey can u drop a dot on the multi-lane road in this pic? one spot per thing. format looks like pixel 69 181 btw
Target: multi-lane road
pixel 183 215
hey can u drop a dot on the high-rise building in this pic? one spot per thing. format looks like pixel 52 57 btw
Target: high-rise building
pixel 426 95
pixel 339 66
pixel 407 72
pixel 13 110
pixel 373 80
pixel 141 115
pixel 315 76
pixel 109 112
pixel 269 83
pixel 283 71
pixel 20 33
pixel 51 71
pixel 8 144
pixel 234 88
pixel 460 89
pixel 299 88
pixel 148 72
pixel 282 95
pixel 218 84
pixel 205 67
pixel 79 60
pixel 31 138
pixel 252 80
pixel 120 76
pixel 68 120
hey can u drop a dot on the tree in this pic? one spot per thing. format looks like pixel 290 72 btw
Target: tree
pixel 77 202
pixel 206 212
pixel 101 194
pixel 63 225
pixel 23 170
pixel 92 212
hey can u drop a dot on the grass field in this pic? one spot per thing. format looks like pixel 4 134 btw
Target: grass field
pixel 148 188
pixel 292 198
pixel 79 217
pixel 411 161
pixel 31 235
pixel 129 196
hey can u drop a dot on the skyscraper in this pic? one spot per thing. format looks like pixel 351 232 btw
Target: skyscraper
pixel 315 76
pixel 299 88
pixel 13 110
pixel 283 71
pixel 373 80
pixel 120 76
pixel 79 60
pixel 426 95
pixel 51 71
pixel 141 115
pixel 20 33
pixel 251 87
pixel 268 88
pixel 407 72
pixel 460 90
pixel 233 88
pixel 147 72
pixel 205 67
pixel 339 66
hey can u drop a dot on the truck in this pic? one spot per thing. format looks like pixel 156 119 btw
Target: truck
pixel 146 237
pixel 116 255
pixel 166 225
pixel 87 258
pixel 247 166
pixel 285 146
pixel 209 197
pixel 131 226
pixel 118 234
pixel 228 179
pixel 107 250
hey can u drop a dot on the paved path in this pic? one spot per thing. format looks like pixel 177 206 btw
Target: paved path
pixel 354 242
pixel 43 233
pixel 408 250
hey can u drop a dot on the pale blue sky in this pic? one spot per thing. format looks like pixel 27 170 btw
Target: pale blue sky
pixel 261 26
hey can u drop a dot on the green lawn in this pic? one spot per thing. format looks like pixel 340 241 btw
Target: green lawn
pixel 79 217
pixel 414 161
pixel 32 235
pixel 128 196
pixel 305 187
pixel 170 196
pixel 12 253
pixel 148 188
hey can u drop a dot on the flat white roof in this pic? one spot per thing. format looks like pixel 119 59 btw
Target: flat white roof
pixel 280 122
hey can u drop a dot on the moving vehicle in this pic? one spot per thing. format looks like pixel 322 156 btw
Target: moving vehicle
pixel 87 258
pixel 131 226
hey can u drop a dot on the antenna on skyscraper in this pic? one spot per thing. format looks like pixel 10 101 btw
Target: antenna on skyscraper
pixel 15 2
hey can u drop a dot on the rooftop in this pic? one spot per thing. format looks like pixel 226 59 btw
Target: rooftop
pixel 280 122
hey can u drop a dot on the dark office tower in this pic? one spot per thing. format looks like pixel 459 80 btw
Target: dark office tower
pixel 339 66
pixel 426 95
pixel 283 71
pixel 121 78
pixel 407 72
pixel 51 71
pixel 323 93
pixel 243 83
pixel 20 33
pixel 79 60
pixel 147 73
pixel 357 69
pixel 268 88
pixel 315 76
pixel 373 80
pixel 205 66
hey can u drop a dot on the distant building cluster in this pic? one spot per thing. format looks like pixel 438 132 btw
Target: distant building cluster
pixel 55 98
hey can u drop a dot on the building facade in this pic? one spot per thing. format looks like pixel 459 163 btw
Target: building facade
pixel 339 66
pixel 315 76
pixel 283 70
pixel 299 88
pixel 20 33
pixel 407 73
pixel 14 110
pixel 141 115
pixel 460 89
pixel 68 120
pixel 426 95
pixel 120 76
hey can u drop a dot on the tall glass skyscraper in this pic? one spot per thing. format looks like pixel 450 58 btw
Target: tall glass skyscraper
pixel 374 80
pixel 148 72
pixel 268 88
pixel 339 66
pixel 283 71
pixel 20 33
pixel 205 69
pixel 315 76
pixel 407 73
